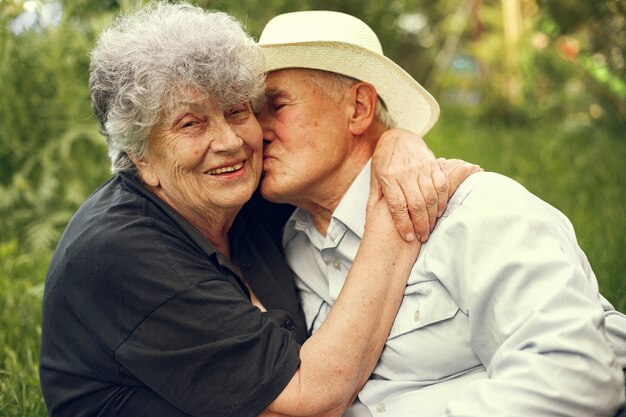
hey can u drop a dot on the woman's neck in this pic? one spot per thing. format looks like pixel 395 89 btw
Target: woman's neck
pixel 215 227
pixel 213 223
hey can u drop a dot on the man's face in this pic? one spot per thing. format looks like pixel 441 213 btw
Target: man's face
pixel 305 128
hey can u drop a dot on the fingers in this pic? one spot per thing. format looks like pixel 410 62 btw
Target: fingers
pixel 427 205
pixel 440 182
pixel 415 186
pixel 457 171
pixel 417 204
pixel 413 205
pixel 397 204
pixel 415 201
pixel 425 221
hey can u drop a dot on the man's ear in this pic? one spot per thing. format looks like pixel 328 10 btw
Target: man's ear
pixel 146 170
pixel 363 107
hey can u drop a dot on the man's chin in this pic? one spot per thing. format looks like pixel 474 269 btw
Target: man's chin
pixel 269 193
pixel 265 189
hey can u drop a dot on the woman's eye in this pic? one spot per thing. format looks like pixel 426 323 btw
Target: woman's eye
pixel 238 113
pixel 189 123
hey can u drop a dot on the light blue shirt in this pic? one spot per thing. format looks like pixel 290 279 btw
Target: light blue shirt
pixel 501 315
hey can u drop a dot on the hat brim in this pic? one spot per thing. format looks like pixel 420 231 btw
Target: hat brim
pixel 408 103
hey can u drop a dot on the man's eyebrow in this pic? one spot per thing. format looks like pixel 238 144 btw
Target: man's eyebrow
pixel 272 93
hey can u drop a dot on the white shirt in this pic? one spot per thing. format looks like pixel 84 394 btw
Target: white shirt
pixel 501 315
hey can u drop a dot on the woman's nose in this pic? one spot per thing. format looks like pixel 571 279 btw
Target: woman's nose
pixel 226 140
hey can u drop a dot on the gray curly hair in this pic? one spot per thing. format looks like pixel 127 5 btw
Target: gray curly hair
pixel 162 50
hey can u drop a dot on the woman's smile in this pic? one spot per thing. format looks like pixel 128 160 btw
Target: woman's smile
pixel 227 168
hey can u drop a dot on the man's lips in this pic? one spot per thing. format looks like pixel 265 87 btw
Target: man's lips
pixel 268 160
pixel 225 169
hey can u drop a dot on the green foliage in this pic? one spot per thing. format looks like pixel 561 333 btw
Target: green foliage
pixel 52 154
pixel 51 157
pixel 21 288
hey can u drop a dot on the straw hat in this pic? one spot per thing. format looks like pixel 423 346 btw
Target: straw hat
pixel 337 42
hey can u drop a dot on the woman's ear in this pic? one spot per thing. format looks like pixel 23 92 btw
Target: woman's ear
pixel 363 107
pixel 146 170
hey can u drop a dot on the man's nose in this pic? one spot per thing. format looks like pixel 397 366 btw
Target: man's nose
pixel 264 122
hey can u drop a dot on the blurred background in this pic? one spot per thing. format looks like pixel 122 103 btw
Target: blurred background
pixel 534 89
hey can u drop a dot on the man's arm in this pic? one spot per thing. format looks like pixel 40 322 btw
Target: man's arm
pixel 535 319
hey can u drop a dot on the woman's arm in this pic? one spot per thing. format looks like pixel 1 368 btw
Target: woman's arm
pixel 337 360
pixel 417 186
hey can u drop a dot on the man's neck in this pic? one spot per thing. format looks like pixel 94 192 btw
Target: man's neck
pixel 321 202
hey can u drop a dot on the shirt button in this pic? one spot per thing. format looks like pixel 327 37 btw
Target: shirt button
pixel 380 408
pixel 416 316
pixel 290 325
pixel 337 265
pixel 246 265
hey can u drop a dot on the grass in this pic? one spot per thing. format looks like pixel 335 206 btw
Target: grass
pixel 21 288
pixel 578 169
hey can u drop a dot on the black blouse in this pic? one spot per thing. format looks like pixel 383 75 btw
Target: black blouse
pixel 141 319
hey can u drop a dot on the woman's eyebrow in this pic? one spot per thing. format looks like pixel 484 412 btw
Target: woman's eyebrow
pixel 180 108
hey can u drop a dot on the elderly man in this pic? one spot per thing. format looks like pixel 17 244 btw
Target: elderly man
pixel 501 315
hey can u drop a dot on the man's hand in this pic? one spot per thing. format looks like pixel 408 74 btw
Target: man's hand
pixel 417 186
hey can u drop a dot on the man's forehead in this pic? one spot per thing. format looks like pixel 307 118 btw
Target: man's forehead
pixel 293 74
pixel 281 77
pixel 291 80
pixel 279 83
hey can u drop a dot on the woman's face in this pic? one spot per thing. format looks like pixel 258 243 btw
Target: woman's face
pixel 203 160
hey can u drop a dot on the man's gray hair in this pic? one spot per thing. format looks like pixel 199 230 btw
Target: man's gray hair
pixel 340 81
pixel 163 50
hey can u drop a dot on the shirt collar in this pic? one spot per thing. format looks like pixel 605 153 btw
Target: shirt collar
pixel 299 221
pixel 352 207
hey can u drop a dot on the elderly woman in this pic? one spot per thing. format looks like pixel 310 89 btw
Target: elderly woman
pixel 167 294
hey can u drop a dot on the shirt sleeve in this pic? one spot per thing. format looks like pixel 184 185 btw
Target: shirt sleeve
pixel 615 330
pixel 210 353
pixel 535 318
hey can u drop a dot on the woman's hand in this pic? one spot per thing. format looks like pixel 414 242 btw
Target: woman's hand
pixel 415 185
